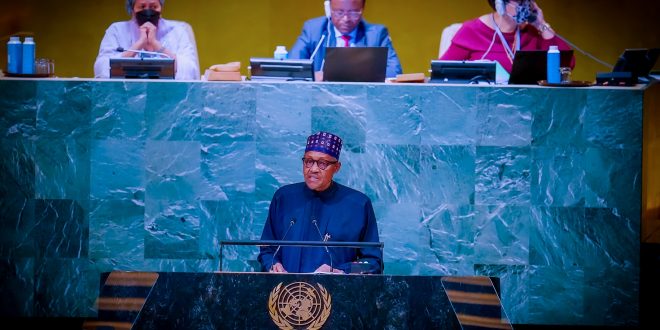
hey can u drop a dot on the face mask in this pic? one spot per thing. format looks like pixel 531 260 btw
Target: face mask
pixel 147 15
pixel 524 13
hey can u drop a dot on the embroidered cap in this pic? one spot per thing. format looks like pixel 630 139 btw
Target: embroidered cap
pixel 324 142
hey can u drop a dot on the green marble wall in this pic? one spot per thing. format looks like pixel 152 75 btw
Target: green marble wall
pixel 538 186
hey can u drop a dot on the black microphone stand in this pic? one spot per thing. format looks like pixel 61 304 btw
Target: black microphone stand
pixel 272 261
pixel 332 269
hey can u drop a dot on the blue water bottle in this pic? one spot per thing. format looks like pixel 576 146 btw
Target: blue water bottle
pixel 14 55
pixel 554 76
pixel 28 56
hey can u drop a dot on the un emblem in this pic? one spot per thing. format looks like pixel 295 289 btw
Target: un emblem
pixel 299 305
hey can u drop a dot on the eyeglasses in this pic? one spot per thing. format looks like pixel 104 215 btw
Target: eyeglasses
pixel 321 163
pixel 352 14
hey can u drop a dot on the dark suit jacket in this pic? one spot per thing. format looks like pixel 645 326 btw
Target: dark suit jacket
pixel 368 35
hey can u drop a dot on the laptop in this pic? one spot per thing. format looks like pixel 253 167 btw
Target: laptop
pixel 530 66
pixel 355 64
pixel 637 61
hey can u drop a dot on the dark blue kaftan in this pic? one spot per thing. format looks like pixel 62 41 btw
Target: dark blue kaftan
pixel 343 215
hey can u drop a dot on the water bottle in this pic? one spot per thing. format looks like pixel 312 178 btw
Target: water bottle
pixel 28 56
pixel 280 53
pixel 14 55
pixel 553 65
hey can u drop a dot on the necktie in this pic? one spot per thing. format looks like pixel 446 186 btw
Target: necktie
pixel 347 40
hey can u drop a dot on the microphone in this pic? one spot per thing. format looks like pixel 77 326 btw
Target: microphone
pixel 291 223
pixel 324 240
pixel 327 43
pixel 317 48
pixel 121 50
pixel 328 14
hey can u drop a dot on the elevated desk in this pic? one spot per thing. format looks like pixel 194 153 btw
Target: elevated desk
pixel 540 187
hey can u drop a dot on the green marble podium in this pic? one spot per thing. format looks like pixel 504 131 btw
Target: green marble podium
pixel 540 187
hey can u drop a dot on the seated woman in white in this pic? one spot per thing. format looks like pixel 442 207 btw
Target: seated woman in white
pixel 148 31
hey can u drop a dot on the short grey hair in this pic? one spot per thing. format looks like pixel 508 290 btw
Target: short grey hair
pixel 131 3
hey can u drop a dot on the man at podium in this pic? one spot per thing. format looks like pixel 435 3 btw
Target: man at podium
pixel 320 209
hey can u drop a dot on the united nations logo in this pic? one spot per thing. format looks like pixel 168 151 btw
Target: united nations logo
pixel 299 305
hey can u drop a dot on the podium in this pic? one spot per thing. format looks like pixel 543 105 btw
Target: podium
pixel 295 301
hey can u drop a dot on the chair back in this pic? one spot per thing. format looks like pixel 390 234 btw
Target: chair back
pixel 446 37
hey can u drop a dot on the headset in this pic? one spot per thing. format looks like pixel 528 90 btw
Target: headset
pixel 500 7
pixel 328 13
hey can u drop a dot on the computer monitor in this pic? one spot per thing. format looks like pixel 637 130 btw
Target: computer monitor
pixel 142 68
pixel 530 66
pixel 637 61
pixel 355 64
pixel 463 72
pixel 283 70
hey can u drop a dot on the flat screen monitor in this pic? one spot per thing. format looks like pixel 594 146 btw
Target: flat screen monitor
pixel 283 70
pixel 142 68
pixel 638 62
pixel 530 66
pixel 355 64
pixel 463 72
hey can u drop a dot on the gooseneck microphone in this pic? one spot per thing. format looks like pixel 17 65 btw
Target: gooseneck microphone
pixel 291 223
pixel 332 269
pixel 317 48
pixel 328 13
pixel 121 50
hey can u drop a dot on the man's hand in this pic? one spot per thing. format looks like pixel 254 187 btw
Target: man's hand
pixel 327 269
pixel 278 268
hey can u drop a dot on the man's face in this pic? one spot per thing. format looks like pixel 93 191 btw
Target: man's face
pixel 316 178
pixel 346 14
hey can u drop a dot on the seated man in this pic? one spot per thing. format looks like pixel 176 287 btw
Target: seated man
pixel 320 209
pixel 147 31
pixel 344 28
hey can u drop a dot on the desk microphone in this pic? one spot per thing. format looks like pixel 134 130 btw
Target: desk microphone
pixel 317 48
pixel 121 50
pixel 332 269
pixel 291 223
pixel 327 28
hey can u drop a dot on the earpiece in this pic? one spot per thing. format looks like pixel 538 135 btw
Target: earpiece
pixel 328 13
pixel 499 7
pixel 326 7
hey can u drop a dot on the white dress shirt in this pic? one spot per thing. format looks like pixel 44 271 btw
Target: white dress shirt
pixel 339 42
